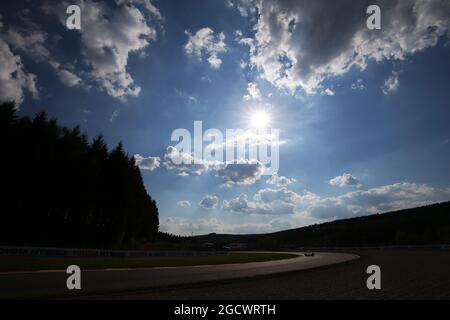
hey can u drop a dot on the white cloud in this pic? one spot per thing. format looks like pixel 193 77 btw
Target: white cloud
pixel 358 85
pixel 356 203
pixel 182 226
pixel 253 92
pixel 28 40
pixel 209 202
pixel 110 33
pixel 274 206
pixel 185 163
pixel 184 203
pixel 241 172
pixel 147 4
pixel 239 204
pixel 291 53
pixel 147 163
pixel 375 200
pixel 204 44
pixel 327 92
pixel 345 180
pixel 68 78
pixel 271 195
pixel 14 79
pixel 31 41
pixel 280 181
pixel 183 174
pixel 245 7
pixel 310 208
pixel 391 84
pixel 214 61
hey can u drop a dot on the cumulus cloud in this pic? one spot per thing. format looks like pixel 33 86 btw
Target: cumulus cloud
pixel 269 195
pixel 291 52
pixel 395 196
pixel 280 181
pixel 258 206
pixel 68 78
pixel 391 84
pixel 375 200
pixel 182 226
pixel 309 208
pixel 110 33
pixel 148 5
pixel 356 203
pixel 241 172
pixel 239 204
pixel 209 202
pixel 147 163
pixel 327 92
pixel 253 92
pixel 345 180
pixel 29 40
pixel 14 79
pixel 184 203
pixel 206 45
pixel 185 163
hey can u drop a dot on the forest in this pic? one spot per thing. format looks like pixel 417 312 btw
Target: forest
pixel 60 190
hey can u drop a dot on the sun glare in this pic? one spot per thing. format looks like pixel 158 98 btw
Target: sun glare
pixel 260 119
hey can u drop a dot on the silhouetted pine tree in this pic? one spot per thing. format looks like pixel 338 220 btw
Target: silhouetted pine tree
pixel 59 190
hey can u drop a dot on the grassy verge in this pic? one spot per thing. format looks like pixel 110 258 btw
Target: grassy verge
pixel 42 263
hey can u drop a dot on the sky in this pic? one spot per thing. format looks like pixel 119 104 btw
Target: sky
pixel 362 114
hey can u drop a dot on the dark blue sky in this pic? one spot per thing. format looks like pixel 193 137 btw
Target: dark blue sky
pixel 363 114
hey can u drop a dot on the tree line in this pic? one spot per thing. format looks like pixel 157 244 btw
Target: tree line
pixel 427 225
pixel 57 189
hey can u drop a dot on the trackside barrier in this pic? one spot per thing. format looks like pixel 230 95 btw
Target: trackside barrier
pixel 66 252
pixel 400 247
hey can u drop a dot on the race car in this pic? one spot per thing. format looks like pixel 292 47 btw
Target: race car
pixel 309 253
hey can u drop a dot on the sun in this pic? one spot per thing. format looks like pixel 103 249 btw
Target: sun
pixel 260 119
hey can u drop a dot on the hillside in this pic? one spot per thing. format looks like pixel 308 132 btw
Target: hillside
pixel 417 226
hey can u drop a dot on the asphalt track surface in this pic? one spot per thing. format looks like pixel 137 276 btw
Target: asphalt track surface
pixel 42 284
pixel 405 275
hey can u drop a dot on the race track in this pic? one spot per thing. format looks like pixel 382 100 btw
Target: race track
pixel 43 284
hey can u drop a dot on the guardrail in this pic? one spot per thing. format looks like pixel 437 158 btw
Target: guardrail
pixel 73 252
pixel 399 247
